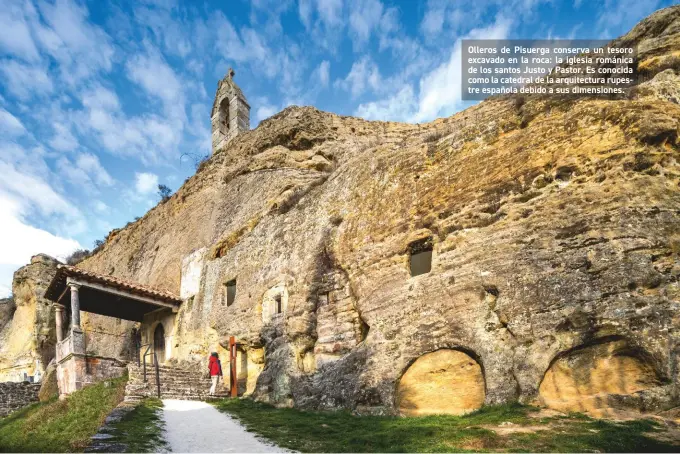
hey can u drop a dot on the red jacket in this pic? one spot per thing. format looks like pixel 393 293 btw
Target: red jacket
pixel 214 366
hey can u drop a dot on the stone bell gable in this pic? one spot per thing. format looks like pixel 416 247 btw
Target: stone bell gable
pixel 230 112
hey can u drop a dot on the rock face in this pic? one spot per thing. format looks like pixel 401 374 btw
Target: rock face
pixel 551 238
pixel 49 387
pixel 27 340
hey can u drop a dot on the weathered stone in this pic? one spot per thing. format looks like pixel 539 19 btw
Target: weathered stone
pixel 441 382
pixel 591 378
pixel 14 396
pixel 27 342
pixel 49 387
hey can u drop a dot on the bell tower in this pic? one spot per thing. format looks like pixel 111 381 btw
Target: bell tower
pixel 230 112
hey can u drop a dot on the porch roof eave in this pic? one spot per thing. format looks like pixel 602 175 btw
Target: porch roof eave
pixel 106 295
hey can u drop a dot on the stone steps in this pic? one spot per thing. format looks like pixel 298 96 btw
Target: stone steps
pixel 176 383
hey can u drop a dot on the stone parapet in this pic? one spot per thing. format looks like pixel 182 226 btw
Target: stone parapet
pixel 14 396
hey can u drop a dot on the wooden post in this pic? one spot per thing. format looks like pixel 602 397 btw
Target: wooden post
pixel 233 381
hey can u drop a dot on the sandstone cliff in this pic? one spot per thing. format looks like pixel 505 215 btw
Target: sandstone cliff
pixel 27 336
pixel 555 236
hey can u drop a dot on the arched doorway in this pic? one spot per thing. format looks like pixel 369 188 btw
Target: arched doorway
pixel 594 378
pixel 441 382
pixel 159 343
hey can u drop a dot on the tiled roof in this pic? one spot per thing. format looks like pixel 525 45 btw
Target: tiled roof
pixel 66 271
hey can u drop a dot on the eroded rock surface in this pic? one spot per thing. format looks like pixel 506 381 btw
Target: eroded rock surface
pixel 442 382
pixel 553 224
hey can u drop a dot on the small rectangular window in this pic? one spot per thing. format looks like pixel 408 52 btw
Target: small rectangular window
pixel 277 300
pixel 230 292
pixel 323 299
pixel 420 259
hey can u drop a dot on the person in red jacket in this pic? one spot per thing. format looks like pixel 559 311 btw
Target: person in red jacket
pixel 215 368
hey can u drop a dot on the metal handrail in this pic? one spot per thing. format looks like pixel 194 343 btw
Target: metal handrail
pixel 158 375
pixel 155 362
pixel 146 352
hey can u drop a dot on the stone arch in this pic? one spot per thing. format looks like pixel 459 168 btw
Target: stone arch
pixel 224 116
pixel 445 381
pixel 590 377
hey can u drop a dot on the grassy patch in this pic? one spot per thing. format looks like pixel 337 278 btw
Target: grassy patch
pixel 141 430
pixel 343 432
pixel 61 425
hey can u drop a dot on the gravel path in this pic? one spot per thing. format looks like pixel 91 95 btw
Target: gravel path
pixel 194 426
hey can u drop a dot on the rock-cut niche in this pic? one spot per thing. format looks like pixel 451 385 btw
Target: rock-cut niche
pixel 274 303
pixel 441 382
pixel 587 378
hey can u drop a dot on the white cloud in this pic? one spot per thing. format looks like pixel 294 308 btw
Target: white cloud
pixel 617 16
pixel 158 79
pixel 85 172
pixel 323 19
pixel 146 183
pixel 365 16
pixel 433 21
pixel 25 198
pixel 364 75
pixel 82 49
pixel 397 107
pixel 100 207
pixel 19 241
pixel 16 38
pixel 24 81
pixel 63 139
pixel 322 73
pixel 265 111
pixel 330 11
pixel 10 125
pixel 147 137
pixel 439 90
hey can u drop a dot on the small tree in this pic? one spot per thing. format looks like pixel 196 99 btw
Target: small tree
pixel 164 192
pixel 77 256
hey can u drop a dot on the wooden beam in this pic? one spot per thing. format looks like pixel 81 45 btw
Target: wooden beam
pixel 66 288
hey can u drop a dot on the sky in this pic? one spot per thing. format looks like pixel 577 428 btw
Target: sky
pixel 102 101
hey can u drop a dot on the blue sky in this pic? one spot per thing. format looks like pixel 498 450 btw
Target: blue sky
pixel 99 100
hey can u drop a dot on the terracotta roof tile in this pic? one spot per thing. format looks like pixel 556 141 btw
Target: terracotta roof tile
pixel 64 271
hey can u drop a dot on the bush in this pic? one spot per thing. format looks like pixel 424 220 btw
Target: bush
pixel 164 192
pixel 77 256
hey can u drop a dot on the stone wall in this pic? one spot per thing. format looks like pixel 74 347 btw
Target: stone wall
pixel 15 395
pixel 554 230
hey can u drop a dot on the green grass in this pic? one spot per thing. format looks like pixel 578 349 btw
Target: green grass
pixel 61 425
pixel 141 430
pixel 343 432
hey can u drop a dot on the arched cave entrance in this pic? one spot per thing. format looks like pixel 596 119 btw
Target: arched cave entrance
pixel 159 343
pixel 584 379
pixel 441 382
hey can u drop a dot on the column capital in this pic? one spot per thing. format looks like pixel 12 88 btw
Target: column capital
pixel 73 285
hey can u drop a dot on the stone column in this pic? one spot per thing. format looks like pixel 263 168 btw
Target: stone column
pixel 59 318
pixel 75 307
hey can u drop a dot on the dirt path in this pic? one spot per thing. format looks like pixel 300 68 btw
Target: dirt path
pixel 193 426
